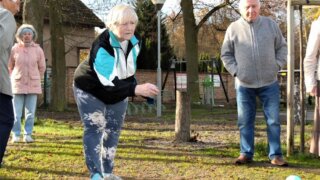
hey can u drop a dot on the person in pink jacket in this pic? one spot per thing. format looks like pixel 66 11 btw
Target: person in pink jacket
pixel 27 67
pixel 312 81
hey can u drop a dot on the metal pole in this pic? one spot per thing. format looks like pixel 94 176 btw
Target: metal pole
pixel 159 67
pixel 45 82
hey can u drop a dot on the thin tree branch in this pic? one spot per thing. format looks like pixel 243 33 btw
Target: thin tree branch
pixel 213 10
pixel 176 16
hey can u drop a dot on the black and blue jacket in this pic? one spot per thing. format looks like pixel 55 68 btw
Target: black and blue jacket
pixel 109 72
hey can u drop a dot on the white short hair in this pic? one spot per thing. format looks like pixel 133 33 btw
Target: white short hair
pixel 119 14
pixel 241 3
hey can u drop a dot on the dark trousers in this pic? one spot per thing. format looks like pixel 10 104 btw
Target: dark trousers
pixel 6 122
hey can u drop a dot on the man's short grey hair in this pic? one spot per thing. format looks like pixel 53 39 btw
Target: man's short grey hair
pixel 241 3
pixel 119 14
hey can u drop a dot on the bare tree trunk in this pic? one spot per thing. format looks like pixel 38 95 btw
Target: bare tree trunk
pixel 33 14
pixel 58 56
pixel 183 114
pixel 191 43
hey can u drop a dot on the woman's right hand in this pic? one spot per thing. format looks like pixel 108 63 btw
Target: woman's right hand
pixel 146 89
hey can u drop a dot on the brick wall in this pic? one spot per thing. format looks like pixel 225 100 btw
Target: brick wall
pixel 143 76
pixel 169 94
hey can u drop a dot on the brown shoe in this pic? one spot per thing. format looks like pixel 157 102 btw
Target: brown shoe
pixel 278 161
pixel 242 159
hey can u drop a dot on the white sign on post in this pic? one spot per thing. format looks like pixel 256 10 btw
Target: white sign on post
pixel 181 81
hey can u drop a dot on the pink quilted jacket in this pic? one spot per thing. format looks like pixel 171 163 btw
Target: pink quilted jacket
pixel 27 67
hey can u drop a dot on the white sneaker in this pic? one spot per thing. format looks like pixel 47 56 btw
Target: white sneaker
pixel 28 139
pixel 15 139
pixel 111 177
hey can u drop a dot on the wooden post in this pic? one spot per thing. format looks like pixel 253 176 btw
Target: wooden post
pixel 302 92
pixel 290 78
pixel 183 115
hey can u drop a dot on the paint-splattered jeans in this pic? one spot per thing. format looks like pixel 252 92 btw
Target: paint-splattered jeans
pixel 102 125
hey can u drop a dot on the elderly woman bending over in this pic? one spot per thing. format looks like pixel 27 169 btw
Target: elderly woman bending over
pixel 101 87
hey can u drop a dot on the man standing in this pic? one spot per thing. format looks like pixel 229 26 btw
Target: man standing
pixel 8 26
pixel 253 51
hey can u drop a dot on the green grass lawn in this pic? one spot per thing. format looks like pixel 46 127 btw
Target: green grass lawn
pixel 147 150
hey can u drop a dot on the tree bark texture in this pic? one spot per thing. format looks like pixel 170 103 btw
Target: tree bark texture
pixel 33 14
pixel 58 94
pixel 183 116
pixel 191 43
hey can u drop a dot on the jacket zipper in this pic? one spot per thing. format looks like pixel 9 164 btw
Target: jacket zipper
pixel 255 52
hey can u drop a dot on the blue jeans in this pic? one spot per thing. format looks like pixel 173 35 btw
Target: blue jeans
pixel 246 102
pixel 29 103
pixel 102 125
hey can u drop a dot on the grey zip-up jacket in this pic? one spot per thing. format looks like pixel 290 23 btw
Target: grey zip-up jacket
pixel 254 52
pixel 7 29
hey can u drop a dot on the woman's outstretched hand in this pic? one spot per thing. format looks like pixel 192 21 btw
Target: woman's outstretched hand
pixel 146 89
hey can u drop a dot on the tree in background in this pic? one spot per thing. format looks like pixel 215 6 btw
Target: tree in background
pixel 102 7
pixel 33 17
pixel 175 29
pixel 58 91
pixel 312 14
pixel 211 34
pixel 309 15
pixel 275 9
pixel 191 30
pixel 147 28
